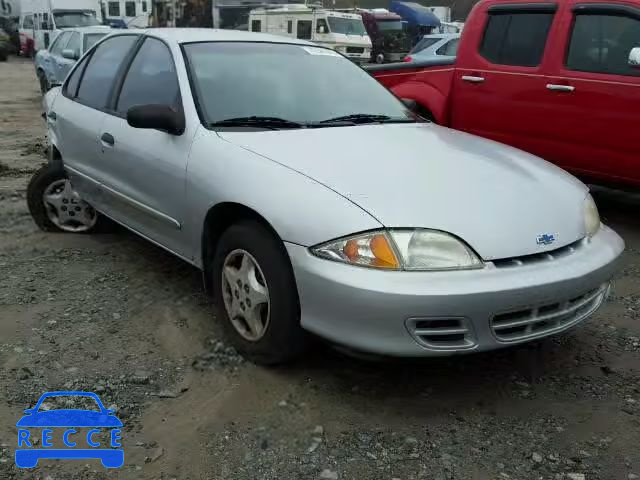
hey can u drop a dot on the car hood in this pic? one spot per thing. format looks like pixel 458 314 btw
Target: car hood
pixel 496 198
pixel 69 418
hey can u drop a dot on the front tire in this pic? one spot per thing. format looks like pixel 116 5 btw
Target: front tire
pixel 256 294
pixel 56 207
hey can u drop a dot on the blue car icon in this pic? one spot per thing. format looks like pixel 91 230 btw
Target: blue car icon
pixel 69 419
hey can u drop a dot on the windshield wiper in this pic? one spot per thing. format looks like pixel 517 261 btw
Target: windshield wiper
pixel 272 123
pixel 368 118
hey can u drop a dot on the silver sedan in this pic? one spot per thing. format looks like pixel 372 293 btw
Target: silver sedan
pixel 315 202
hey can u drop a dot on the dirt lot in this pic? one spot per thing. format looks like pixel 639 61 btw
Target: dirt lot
pixel 114 315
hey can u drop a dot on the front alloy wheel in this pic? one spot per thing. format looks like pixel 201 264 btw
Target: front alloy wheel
pixel 246 295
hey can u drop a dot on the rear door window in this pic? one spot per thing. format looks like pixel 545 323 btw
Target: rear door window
pixel 516 38
pixel 102 69
pixel 450 49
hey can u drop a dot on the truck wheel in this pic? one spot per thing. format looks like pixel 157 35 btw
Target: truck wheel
pixel 256 295
pixel 56 207
pixel 380 58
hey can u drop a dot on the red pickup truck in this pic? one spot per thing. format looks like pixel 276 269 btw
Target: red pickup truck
pixel 557 78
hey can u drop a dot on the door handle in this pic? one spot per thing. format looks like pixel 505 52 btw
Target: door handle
pixel 472 79
pixel 108 139
pixel 560 88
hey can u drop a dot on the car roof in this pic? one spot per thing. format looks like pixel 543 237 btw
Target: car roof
pixel 192 35
pixel 95 29
pixel 442 35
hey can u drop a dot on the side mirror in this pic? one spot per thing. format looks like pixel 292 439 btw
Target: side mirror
pixel 157 117
pixel 70 54
pixel 634 58
pixel 109 411
pixel 30 410
pixel 410 103
pixel 44 26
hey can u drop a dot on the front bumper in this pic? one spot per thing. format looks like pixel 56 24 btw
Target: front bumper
pixel 440 313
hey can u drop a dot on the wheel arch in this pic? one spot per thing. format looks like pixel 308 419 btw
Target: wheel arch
pixel 220 217
pixel 429 99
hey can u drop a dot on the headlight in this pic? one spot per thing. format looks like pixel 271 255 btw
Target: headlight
pixel 401 250
pixel 591 216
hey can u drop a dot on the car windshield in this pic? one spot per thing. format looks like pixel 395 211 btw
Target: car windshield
pixel 75 402
pixel 348 26
pixel 91 39
pixel 70 19
pixel 389 25
pixel 297 83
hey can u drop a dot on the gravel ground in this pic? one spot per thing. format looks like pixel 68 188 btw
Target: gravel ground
pixel 115 315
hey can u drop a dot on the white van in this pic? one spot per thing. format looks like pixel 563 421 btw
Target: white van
pixel 343 32
pixel 42 20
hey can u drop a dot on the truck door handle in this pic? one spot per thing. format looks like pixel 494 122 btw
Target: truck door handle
pixel 108 139
pixel 472 79
pixel 560 88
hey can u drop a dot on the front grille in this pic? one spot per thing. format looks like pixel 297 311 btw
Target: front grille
pixel 442 333
pixel 355 49
pixel 549 256
pixel 545 319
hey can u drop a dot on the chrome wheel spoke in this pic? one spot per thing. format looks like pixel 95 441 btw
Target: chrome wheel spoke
pixel 66 209
pixel 246 295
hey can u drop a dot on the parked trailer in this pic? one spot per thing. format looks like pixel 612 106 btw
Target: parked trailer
pixel 343 32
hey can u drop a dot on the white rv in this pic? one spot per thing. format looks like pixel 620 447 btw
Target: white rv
pixel 127 13
pixel 42 20
pixel 343 32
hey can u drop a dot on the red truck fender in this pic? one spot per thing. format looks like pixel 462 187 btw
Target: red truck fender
pixel 431 102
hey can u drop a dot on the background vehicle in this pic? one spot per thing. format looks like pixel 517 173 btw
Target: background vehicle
pixel 389 39
pixel 5 45
pixel 559 80
pixel 421 241
pixel 420 19
pixel 343 32
pixel 443 46
pixel 130 13
pixel 53 64
pixel 42 20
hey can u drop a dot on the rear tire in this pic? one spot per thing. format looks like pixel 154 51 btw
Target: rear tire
pixel 283 338
pixel 42 182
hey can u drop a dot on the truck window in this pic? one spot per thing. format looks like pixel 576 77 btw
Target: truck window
pixel 290 26
pixel 516 38
pixel 28 22
pixel 602 43
pixel 130 9
pixel 304 29
pixel 321 26
pixel 256 25
pixel 114 9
